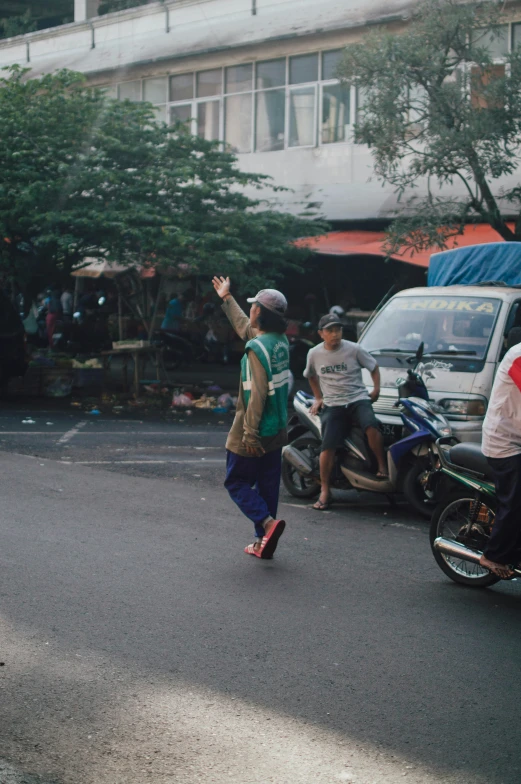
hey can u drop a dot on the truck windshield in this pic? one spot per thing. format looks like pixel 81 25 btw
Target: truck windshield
pixel 444 324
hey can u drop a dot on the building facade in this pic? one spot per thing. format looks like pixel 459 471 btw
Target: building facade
pixel 257 74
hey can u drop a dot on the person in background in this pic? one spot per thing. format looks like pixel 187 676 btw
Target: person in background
pixel 54 312
pixel 67 303
pixel 174 311
pixel 258 432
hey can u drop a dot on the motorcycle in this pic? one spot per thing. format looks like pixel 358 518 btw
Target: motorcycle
pixel 462 522
pixel 412 460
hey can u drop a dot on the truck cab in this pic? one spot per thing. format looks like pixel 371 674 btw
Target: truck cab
pixel 465 329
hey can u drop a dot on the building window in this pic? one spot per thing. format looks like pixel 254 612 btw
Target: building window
pixel 270 112
pixel 336 113
pixel 208 120
pixel 330 62
pixel 303 68
pixel 238 122
pixel 360 99
pixel 130 91
pixel 160 113
pixel 285 102
pixel 516 35
pixel 270 73
pixel 154 90
pixel 494 42
pixel 111 91
pixel 302 117
pixel 209 83
pixel 239 78
pixel 182 87
pixel 181 113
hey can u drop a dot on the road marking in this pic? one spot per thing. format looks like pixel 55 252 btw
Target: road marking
pixel 401 525
pixel 108 433
pixel 145 462
pixel 71 433
pixel 27 432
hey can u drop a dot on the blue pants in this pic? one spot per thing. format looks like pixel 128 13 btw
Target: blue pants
pixel 253 483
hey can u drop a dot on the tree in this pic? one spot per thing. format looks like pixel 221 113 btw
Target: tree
pixel 83 175
pixel 437 108
pixel 110 6
pixel 17 25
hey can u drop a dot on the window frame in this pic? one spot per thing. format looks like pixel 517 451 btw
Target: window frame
pixel 318 92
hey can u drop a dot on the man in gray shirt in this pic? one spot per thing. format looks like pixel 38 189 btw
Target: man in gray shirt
pixel 334 371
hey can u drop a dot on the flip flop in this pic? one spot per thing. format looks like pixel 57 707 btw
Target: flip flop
pixel 322 506
pixel 270 542
pixel 250 550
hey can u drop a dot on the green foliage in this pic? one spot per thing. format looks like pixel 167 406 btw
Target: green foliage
pixel 17 25
pixel 83 175
pixel 109 6
pixel 437 111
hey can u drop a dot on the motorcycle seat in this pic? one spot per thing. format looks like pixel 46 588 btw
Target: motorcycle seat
pixel 468 455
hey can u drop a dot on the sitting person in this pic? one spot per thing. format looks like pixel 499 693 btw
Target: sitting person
pixel 502 447
pixel 334 372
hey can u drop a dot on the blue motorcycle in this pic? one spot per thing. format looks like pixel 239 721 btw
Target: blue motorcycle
pixel 412 461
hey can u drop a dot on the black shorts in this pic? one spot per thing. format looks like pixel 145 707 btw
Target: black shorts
pixel 337 420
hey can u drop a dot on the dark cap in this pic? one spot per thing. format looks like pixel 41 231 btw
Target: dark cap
pixel 329 320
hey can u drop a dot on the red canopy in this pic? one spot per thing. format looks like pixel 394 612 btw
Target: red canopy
pixel 370 243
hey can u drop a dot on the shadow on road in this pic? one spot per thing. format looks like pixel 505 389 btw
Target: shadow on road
pixel 352 629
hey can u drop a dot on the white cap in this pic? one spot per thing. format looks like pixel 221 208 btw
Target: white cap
pixel 272 300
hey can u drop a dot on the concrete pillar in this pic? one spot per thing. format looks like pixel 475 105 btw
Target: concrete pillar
pixel 85 9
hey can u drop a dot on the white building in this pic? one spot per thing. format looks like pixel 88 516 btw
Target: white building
pixel 257 73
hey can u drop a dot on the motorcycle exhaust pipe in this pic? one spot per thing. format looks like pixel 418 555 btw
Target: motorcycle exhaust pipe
pixel 456 550
pixel 297 460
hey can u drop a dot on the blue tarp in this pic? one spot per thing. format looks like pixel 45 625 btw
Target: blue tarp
pixel 499 261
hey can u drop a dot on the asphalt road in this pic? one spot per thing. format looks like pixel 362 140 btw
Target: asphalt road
pixel 140 645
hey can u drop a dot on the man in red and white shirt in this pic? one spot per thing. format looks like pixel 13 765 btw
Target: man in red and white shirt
pixel 502 447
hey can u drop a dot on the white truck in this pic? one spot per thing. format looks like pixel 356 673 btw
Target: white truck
pixel 465 329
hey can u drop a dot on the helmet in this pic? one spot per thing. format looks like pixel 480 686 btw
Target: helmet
pixel 337 311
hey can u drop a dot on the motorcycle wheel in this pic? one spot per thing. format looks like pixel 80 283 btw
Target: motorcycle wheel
pixel 447 521
pixel 173 359
pixel 297 485
pixel 414 487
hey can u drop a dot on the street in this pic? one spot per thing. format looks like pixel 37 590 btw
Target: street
pixel 139 643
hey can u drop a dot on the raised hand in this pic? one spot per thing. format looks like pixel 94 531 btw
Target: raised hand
pixel 221 286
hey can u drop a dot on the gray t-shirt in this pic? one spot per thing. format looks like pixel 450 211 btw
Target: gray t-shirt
pixel 340 372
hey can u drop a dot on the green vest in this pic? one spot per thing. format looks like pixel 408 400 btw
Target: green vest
pixel 273 351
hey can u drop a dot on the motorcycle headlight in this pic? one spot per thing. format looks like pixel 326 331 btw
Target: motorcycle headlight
pixel 476 407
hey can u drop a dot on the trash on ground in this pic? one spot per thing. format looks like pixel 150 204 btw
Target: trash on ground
pixel 28 421
pixel 60 387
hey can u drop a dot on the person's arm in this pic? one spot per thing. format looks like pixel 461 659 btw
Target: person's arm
pixel 314 383
pixel 236 316
pixel 253 414
pixel 367 361
pixel 375 394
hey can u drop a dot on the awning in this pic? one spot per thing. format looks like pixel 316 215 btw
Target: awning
pixel 371 243
pixel 101 268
